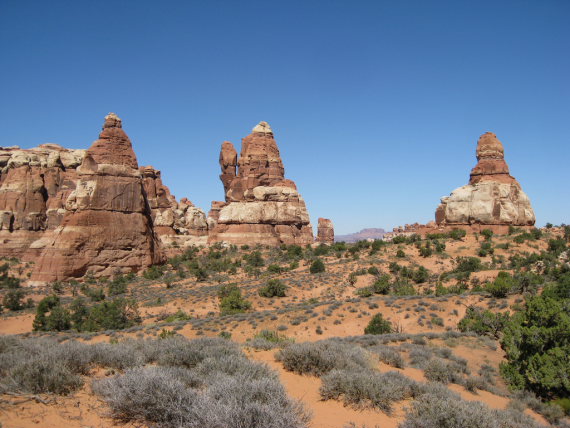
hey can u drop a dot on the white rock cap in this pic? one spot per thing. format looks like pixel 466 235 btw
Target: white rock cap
pixel 263 127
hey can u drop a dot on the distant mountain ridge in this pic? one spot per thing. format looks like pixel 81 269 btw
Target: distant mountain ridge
pixel 369 233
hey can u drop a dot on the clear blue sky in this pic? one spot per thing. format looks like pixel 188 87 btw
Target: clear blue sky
pixel 376 105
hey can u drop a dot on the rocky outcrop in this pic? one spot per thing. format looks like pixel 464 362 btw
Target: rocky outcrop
pixel 262 207
pixel 493 198
pixel 325 233
pixel 34 185
pixel 107 227
pixel 176 223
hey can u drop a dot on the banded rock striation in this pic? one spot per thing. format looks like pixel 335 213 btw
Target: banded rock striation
pixel 492 199
pixel 261 206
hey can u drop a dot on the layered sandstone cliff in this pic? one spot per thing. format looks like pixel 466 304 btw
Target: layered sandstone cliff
pixel 107 227
pixel 492 198
pixel 261 207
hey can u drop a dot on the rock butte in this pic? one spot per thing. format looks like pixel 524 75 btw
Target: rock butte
pixel 325 231
pixel 261 206
pixel 493 199
pixel 79 211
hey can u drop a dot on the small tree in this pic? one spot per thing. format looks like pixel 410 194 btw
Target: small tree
pixel 317 266
pixel 378 325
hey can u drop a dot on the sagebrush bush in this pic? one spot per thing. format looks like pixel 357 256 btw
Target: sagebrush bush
pixel 437 411
pixel 389 356
pixel 367 388
pixel 318 358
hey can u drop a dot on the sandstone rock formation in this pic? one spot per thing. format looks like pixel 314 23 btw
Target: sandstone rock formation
pixel 107 227
pixel 325 232
pixel 262 207
pixel 34 185
pixel 176 223
pixel 493 198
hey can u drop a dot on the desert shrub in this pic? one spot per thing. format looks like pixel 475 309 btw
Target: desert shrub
pixel 367 388
pixel 318 358
pixel 365 292
pixel 537 343
pixel 321 250
pixel 42 365
pixel 231 300
pixel 117 314
pixel 181 352
pixel 373 270
pixel 154 272
pixel 118 285
pixel 501 286
pixel 486 249
pixel 254 259
pixel 388 356
pixel 437 370
pixel 6 280
pixel 268 339
pixel 378 325
pixel 483 321
pixel 400 254
pixel 317 266
pixel 449 411
pixel 382 284
pixel 273 288
pixel 487 234
pixel 222 388
pixel 14 300
pixel 420 275
pixel 468 264
pixel 457 234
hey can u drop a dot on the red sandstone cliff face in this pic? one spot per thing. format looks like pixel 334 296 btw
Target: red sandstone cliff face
pixel 261 205
pixel 492 198
pixel 325 234
pixel 107 227
pixel 34 185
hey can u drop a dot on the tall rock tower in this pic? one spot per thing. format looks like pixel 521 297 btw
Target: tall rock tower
pixel 492 199
pixel 107 226
pixel 261 207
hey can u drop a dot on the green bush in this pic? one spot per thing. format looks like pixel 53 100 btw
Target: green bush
pixel 378 325
pixel 483 321
pixel 13 300
pixel 457 234
pixel 537 344
pixel 468 264
pixel 317 266
pixel 231 300
pixel 487 234
pixel 154 272
pixel 501 286
pixel 254 259
pixel 273 288
pixel 400 254
pixel 382 285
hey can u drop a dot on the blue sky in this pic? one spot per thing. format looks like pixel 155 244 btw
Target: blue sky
pixel 376 105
